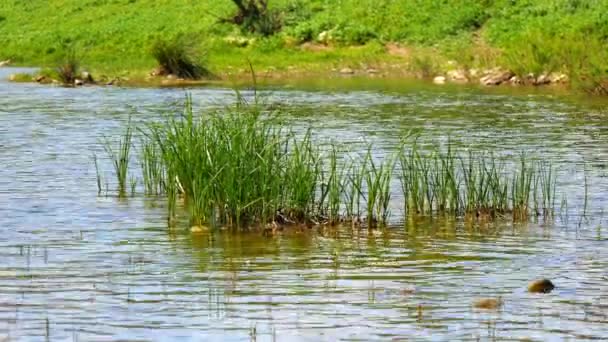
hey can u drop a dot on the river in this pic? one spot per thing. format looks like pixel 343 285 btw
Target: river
pixel 81 267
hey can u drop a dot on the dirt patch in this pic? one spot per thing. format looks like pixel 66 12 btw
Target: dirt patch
pixel 315 47
pixel 395 49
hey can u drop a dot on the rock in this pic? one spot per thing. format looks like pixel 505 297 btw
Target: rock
pixel 555 77
pixel 198 229
pixel 474 72
pixel 324 37
pixel 488 303
pixel 439 80
pixel 457 76
pixel 87 77
pixel 530 78
pixel 372 71
pixel 347 71
pixel 238 41
pixel 496 77
pixel 171 77
pixel 5 63
pixel 541 286
pixel 542 79
pixel 78 82
pixel 40 78
pixel 12 77
pixel 515 80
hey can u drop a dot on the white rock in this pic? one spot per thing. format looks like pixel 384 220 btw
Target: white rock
pixel 87 77
pixel 439 80
pixel 496 77
pixel 558 78
pixel 347 71
pixel 457 76
pixel 515 80
pixel 324 37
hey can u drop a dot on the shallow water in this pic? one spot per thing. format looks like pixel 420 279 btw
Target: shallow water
pixel 77 266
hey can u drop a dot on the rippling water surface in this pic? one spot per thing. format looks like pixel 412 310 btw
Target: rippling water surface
pixel 82 267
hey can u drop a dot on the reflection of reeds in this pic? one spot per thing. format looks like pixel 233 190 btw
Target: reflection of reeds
pixel 239 167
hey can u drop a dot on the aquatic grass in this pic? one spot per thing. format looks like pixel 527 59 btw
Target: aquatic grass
pixel 353 191
pixel 133 183
pixel 97 174
pixel 521 189
pixel 152 168
pixel 548 185
pixel 377 177
pixel 236 167
pixel 241 166
pixel 333 187
pixel 303 174
pixel 120 156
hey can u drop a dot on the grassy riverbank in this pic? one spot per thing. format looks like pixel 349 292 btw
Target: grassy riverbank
pixel 411 37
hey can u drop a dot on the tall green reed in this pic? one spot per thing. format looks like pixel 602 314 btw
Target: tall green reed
pixel 120 157
pixel 152 168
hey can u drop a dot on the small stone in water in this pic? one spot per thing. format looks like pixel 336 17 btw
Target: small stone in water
pixel 541 286
pixel 198 229
pixel 488 303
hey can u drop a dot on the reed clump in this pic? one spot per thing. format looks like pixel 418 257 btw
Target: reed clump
pixel 68 69
pixel 243 167
pixel 178 57
pixel 120 156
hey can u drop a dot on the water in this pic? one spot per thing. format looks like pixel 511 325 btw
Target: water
pixel 77 266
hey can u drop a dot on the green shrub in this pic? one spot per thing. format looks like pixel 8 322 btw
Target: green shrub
pixel 424 65
pixel 254 16
pixel 348 34
pixel 178 57
pixel 69 67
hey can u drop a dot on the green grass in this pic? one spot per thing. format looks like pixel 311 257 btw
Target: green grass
pixel 242 166
pixel 115 36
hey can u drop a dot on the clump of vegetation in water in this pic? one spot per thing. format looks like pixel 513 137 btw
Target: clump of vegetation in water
pixel 243 167
pixel 68 69
pixel 120 156
pixel 152 168
pixel 178 57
